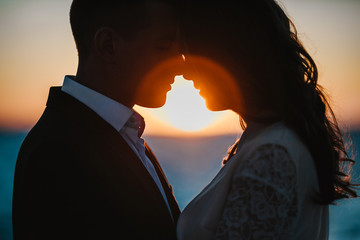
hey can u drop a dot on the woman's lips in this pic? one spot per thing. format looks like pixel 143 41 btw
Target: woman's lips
pixel 196 87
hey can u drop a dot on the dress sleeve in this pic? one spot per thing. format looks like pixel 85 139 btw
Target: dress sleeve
pixel 262 202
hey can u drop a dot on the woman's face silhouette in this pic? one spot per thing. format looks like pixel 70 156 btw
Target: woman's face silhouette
pixel 217 84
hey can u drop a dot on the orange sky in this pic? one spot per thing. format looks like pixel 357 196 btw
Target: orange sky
pixel 37 50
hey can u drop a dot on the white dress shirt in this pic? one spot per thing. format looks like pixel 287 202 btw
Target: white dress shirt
pixel 125 120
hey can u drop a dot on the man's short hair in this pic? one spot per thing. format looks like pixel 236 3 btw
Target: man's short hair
pixel 127 17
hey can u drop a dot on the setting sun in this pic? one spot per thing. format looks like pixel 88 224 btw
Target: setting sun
pixel 185 109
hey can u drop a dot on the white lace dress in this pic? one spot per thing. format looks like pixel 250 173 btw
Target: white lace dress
pixel 265 191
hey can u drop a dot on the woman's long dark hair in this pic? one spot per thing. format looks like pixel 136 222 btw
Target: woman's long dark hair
pixel 264 43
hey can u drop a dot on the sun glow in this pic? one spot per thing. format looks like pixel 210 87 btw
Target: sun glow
pixel 185 109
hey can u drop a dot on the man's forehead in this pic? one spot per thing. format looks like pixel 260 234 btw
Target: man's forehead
pixel 162 17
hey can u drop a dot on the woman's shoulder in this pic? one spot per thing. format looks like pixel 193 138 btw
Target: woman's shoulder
pixel 278 132
pixel 279 136
pixel 273 150
pixel 278 157
pixel 271 164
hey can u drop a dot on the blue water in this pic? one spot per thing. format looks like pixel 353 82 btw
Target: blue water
pixel 9 147
pixel 189 163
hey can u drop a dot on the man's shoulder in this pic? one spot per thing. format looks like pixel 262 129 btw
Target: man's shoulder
pixel 59 133
pixel 52 136
pixel 53 126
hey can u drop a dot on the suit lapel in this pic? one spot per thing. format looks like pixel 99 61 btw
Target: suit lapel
pixel 113 142
pixel 143 176
pixel 131 161
pixel 175 210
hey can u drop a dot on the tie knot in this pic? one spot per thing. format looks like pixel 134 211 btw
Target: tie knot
pixel 141 127
pixel 136 122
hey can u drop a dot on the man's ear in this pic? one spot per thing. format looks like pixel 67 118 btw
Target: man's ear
pixel 105 43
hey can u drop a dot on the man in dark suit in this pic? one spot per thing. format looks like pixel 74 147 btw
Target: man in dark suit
pixel 83 171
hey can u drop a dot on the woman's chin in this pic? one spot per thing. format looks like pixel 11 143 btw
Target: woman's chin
pixel 215 107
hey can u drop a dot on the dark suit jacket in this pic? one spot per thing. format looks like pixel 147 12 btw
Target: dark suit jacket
pixel 77 178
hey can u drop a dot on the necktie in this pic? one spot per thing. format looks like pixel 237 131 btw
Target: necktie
pixel 136 122
pixel 141 127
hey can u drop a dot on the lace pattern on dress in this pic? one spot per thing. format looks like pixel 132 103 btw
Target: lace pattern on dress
pixel 262 202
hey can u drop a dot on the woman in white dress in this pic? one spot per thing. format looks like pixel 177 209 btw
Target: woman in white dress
pixel 280 177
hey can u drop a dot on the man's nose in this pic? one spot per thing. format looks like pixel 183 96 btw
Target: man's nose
pixel 186 68
pixel 180 63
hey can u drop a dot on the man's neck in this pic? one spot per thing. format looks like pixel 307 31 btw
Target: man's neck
pixel 101 83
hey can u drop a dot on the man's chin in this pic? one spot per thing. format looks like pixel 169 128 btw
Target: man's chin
pixel 152 102
pixel 215 107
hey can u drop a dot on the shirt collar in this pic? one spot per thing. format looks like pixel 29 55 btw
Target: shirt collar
pixel 115 113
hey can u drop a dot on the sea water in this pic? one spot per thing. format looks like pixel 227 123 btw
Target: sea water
pixel 189 163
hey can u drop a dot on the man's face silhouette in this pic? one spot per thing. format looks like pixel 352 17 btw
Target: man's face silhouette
pixel 151 49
